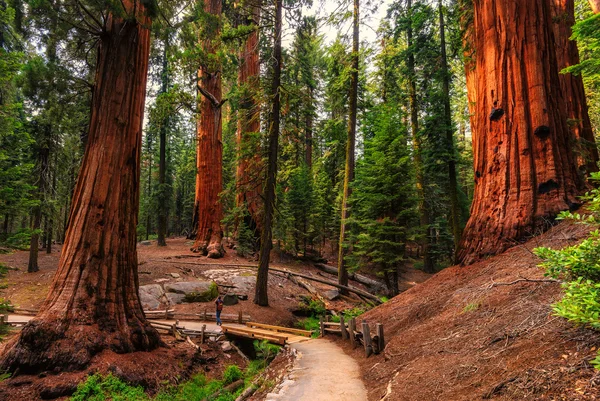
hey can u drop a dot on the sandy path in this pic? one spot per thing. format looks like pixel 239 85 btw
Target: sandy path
pixel 321 372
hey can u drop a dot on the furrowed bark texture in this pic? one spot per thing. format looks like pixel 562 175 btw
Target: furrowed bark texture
pixel 261 296
pixel 578 119
pixel 350 147
pixel 249 169
pixel 93 302
pixel 209 179
pixel 595 4
pixel 525 168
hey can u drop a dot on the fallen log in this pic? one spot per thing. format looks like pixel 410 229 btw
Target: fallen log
pixel 376 285
pixel 331 283
pixel 274 269
pixel 232 388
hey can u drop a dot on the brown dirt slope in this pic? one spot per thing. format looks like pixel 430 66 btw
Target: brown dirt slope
pixel 459 336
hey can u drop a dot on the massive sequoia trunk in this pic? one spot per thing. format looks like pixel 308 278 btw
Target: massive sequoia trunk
pixel 208 211
pixel 595 4
pixel 248 173
pixel 525 167
pixel 93 303
pixel 350 146
pixel 563 18
pixel 261 296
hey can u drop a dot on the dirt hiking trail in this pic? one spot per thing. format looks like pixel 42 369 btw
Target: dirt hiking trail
pixel 321 372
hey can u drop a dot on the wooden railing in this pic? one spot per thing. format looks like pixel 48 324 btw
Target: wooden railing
pixel 372 344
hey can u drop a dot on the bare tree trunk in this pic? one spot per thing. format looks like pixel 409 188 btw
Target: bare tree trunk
pixel 595 4
pixel 149 151
pixel 452 181
pixel 249 168
pixel 349 169
pixel 93 303
pixel 261 296
pixel 209 179
pixel 418 158
pixel 162 164
pixel 44 155
pixel 563 19
pixel 525 168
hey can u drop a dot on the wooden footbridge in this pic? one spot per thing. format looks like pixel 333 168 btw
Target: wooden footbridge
pixel 273 334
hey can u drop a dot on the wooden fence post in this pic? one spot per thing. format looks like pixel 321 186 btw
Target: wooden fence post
pixel 343 328
pixel 322 326
pixel 352 329
pixel 240 319
pixel 381 341
pixel 205 315
pixel 202 334
pixel 367 338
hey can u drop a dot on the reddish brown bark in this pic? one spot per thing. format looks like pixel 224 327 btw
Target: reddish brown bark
pixel 525 170
pixel 595 4
pixel 563 18
pixel 93 303
pixel 208 211
pixel 249 168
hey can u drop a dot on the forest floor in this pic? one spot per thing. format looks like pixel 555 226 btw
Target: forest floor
pixel 159 264
pixel 178 361
pixel 476 332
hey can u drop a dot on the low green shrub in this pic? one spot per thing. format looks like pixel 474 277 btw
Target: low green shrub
pixel 579 267
pixel 231 374
pixel 101 388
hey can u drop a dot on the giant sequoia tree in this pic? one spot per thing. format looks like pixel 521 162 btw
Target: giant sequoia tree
pixel 93 302
pixel 525 167
pixel 208 211
pixel 248 172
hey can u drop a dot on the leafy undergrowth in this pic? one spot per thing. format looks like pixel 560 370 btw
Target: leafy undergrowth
pixel 104 388
pixel 109 387
pixel 316 308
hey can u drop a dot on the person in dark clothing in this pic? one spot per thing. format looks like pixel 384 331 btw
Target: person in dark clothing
pixel 219 305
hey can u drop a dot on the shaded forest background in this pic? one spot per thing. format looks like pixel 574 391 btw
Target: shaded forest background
pixel 412 126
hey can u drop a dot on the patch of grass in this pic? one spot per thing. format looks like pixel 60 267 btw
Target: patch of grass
pixel 310 323
pixel 105 388
pixel 231 374
pixel 101 388
pixel 471 307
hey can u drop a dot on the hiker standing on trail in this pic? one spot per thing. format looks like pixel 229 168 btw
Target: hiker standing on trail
pixel 219 304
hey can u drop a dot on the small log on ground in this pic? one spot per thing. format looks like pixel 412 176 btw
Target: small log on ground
pixel 375 285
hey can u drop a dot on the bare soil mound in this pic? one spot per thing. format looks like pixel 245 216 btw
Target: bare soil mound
pixel 484 332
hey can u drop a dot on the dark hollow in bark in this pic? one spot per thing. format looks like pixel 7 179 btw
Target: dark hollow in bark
pixel 93 302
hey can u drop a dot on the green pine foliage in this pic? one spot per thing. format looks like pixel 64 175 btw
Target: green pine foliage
pixel 579 267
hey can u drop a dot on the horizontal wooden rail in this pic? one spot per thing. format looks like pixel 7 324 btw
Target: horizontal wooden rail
pixel 299 332
pixel 241 332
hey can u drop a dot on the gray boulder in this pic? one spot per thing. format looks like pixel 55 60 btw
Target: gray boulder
pixel 331 294
pixel 230 299
pixel 243 284
pixel 194 291
pixel 151 296
pixel 175 298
